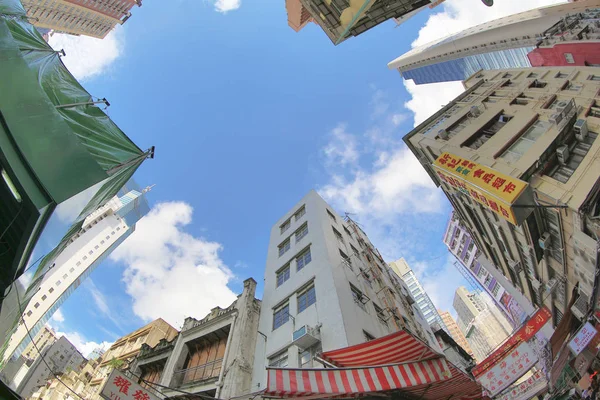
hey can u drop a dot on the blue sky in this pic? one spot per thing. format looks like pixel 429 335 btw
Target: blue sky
pixel 247 116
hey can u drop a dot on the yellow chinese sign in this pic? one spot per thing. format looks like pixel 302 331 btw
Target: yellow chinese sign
pixel 493 189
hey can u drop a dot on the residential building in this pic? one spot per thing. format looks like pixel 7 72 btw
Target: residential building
pixel 102 232
pixel 80 17
pixel 476 268
pixel 403 270
pixel 60 357
pixel 483 325
pixel 341 19
pixel 455 332
pixel 126 350
pixel 327 287
pixel 96 353
pixel 516 154
pixel 454 352
pixel 45 337
pixel 71 380
pixel 213 356
pixel 501 43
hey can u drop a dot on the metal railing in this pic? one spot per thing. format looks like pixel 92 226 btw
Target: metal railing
pixel 198 373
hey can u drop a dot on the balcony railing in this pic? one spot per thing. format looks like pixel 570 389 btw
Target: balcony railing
pixel 198 373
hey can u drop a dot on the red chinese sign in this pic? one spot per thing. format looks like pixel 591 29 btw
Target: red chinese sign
pixel 525 333
pixel 508 370
pixel 120 387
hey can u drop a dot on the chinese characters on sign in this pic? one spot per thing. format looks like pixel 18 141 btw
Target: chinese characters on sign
pixel 508 370
pixel 120 387
pixel 525 333
pixel 582 338
pixel 494 190
pixel 526 390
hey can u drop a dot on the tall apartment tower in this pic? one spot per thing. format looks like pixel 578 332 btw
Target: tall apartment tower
pixel 342 19
pixel 80 17
pixel 60 357
pixel 474 264
pixel 506 43
pixel 103 231
pixel 484 327
pixel 326 287
pixel 455 331
pixel 403 270
pixel 516 154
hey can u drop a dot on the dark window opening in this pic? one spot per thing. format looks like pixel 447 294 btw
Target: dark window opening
pixel 487 131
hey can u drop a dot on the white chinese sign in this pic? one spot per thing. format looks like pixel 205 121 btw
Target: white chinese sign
pixel 526 390
pixel 508 370
pixel 120 387
pixel 583 338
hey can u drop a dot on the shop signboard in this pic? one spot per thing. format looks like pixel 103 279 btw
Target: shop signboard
pixel 582 338
pixel 120 387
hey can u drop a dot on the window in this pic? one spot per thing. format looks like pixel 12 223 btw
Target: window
pixel 521 100
pixel 573 87
pixel 102 242
pixel 29 313
pixel 285 226
pixel 284 247
pixel 44 297
pixel 281 316
pixel 487 131
pixel 347 260
pixel 303 259
pixel 307 356
pixel 57 283
pixel 96 247
pixel 300 213
pixel 36 305
pixel 380 314
pixel 306 298
pixel 356 253
pixel 594 110
pixel 112 233
pixel 331 216
pixel 359 297
pixel 91 252
pixel 338 235
pixel 51 290
pixel 85 257
pixel 594 78
pixel 300 233
pixel 78 263
pixel 108 237
pixel 118 228
pixel 283 275
pixel 368 336
pixel 569 58
pixel 458 126
pixel 506 75
pixel 65 276
pixel 561 75
pixel 527 139
pixel 532 75
pixel 279 361
pixel 347 232
pixel 537 84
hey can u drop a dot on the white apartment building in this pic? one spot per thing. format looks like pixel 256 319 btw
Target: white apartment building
pixel 403 270
pixel 476 267
pixel 102 232
pixel 326 287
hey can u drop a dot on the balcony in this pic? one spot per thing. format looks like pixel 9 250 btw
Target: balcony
pixel 197 374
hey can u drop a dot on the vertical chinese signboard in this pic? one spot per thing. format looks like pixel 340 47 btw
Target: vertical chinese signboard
pixel 496 191
pixel 509 369
pixel 582 338
pixel 120 387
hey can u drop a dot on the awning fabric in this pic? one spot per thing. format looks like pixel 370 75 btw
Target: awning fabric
pixel 396 348
pixel 395 362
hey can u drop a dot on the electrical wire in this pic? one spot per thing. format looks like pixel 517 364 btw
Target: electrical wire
pixel 40 353
pixel 202 396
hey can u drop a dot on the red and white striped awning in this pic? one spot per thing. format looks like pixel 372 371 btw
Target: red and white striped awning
pixel 396 348
pixel 395 362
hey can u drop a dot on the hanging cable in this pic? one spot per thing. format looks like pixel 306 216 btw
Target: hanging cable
pixel 202 396
pixel 39 352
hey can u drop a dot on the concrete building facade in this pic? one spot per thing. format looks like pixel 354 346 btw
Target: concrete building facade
pixel 428 310
pixel 102 232
pixel 326 287
pixel 484 327
pixel 62 356
pixel 45 337
pixel 75 380
pixel 501 43
pixel 472 262
pixel 536 128
pixel 342 19
pixel 455 331
pixel 126 350
pixel 80 17
pixel 213 356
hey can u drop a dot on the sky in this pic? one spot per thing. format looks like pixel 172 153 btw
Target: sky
pixel 247 116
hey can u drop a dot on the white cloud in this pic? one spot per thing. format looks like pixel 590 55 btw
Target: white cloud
pixel 169 273
pixel 341 148
pixel 58 316
pixel 84 346
pixel 227 5
pixel 456 16
pixel 101 302
pixel 88 57
pixel 440 279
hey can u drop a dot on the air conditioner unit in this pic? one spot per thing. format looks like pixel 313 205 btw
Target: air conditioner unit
pixel 442 133
pixel 545 240
pixel 475 111
pixel 305 337
pixel 580 307
pixel 551 285
pixel 556 118
pixel 563 154
pixel 535 283
pixel 561 105
pixel 515 266
pixel 581 129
